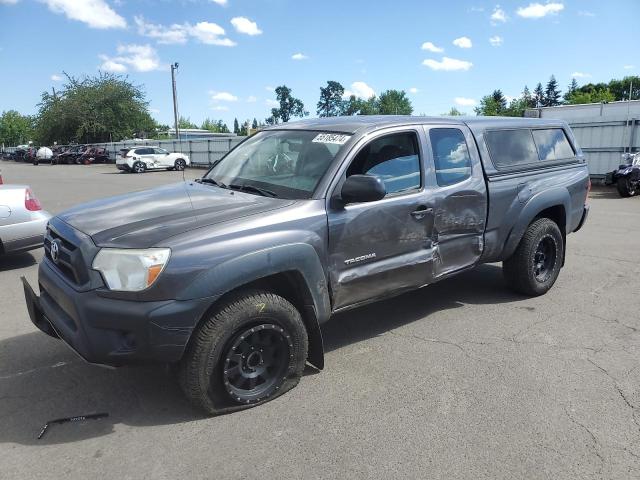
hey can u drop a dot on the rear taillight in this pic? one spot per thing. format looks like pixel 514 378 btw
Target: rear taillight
pixel 31 203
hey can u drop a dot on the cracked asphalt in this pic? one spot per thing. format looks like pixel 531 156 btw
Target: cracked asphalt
pixel 462 379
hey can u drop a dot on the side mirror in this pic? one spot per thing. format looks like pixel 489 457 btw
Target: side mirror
pixel 362 188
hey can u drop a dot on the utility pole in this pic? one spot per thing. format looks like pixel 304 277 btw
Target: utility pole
pixel 174 67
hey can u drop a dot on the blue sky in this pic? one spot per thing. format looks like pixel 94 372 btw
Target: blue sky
pixel 233 52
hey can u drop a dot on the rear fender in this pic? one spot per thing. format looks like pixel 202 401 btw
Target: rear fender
pixel 536 204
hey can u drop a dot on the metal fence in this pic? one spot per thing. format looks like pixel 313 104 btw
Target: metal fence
pixel 604 131
pixel 202 152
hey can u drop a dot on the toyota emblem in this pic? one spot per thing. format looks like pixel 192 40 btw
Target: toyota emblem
pixel 55 250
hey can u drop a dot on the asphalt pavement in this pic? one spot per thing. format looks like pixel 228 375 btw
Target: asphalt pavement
pixel 462 379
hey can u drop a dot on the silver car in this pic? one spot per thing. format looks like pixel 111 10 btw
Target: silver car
pixel 22 220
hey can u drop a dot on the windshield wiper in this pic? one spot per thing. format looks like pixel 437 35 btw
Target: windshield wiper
pixel 211 181
pixel 252 188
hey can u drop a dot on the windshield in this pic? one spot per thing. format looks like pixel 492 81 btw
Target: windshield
pixel 285 163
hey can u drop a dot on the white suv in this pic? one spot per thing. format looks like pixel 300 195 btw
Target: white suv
pixel 141 159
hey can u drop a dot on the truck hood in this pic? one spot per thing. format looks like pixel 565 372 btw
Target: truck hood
pixel 143 219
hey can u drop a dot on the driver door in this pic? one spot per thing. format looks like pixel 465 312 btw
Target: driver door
pixel 382 247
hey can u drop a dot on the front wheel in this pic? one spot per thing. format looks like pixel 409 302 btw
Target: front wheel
pixel 626 188
pixel 250 350
pixel 535 265
pixel 180 164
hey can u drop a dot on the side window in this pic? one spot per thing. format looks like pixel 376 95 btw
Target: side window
pixel 509 148
pixel 450 155
pixel 394 158
pixel 552 144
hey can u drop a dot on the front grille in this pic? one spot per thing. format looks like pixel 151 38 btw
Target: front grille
pixel 69 262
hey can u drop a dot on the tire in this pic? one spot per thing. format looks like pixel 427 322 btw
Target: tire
pixel 180 165
pixel 535 265
pixel 625 187
pixel 139 167
pixel 222 358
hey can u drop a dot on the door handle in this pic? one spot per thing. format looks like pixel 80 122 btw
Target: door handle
pixel 421 212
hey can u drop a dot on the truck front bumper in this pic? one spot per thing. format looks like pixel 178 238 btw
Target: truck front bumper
pixel 110 331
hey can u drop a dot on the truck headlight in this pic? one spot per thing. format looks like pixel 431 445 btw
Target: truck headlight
pixel 130 270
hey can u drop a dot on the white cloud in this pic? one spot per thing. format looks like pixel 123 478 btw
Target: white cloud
pixel 163 34
pixel 205 32
pixel 629 67
pixel 269 88
pixel 360 90
pixel 299 56
pixel 475 9
pixel 447 64
pixel 413 90
pixel 271 103
pixel 510 98
pixel 55 77
pixel 431 47
pixel 498 15
pixel 246 26
pixel 141 58
pixel 220 108
pixel 211 34
pixel 465 102
pixel 220 2
pixel 251 99
pixel 496 41
pixel 8 2
pixel 580 75
pixel 463 42
pixel 538 10
pixel 223 97
pixel 95 13
pixel 586 13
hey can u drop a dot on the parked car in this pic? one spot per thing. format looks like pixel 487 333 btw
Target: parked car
pixel 22 220
pixel 69 155
pixel 627 176
pixel 141 159
pixel 43 154
pixel 94 155
pixel 231 276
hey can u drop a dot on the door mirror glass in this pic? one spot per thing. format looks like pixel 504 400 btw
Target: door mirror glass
pixel 363 188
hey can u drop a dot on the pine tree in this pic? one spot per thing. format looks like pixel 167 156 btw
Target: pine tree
pixel 254 125
pixel 236 126
pixel 529 100
pixel 573 86
pixel 552 93
pixel 538 96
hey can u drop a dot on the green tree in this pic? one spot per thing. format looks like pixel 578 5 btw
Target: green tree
pixel 254 125
pixel 92 109
pixel 454 112
pixel 528 98
pixel 394 102
pixel 538 96
pixel 216 126
pixel 597 95
pixel 620 88
pixel 185 122
pixel 551 93
pixel 492 105
pixel 331 103
pixel 573 86
pixel 236 126
pixel 15 129
pixel 289 106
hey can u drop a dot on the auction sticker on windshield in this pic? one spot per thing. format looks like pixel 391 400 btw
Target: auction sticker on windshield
pixel 337 138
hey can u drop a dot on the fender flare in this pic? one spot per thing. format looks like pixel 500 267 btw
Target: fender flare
pixel 301 258
pixel 548 198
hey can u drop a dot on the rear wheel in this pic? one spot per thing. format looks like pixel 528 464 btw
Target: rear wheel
pixel 535 265
pixel 252 349
pixel 626 188
pixel 180 164
pixel 139 167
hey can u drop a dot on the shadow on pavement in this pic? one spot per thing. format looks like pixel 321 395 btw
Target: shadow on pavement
pixel 41 379
pixel 604 192
pixel 14 261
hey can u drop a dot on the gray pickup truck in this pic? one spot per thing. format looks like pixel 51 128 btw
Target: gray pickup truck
pixel 231 276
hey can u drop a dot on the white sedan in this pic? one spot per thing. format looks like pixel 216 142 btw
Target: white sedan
pixel 141 159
